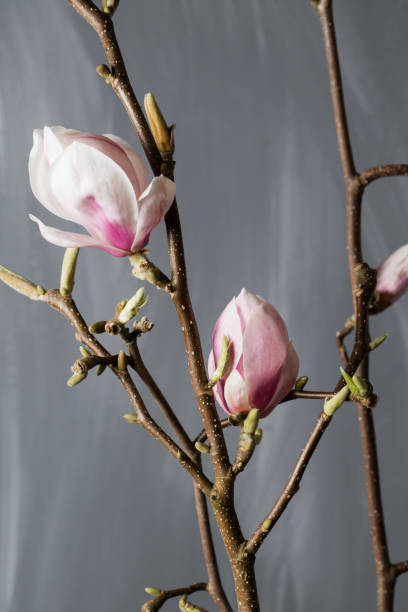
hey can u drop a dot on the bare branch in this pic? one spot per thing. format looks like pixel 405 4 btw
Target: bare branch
pixel 378 172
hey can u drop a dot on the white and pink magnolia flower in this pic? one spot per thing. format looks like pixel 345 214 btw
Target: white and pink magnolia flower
pixel 99 182
pixel 264 362
pixel 392 275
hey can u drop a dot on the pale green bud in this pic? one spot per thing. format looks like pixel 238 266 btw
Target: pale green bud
pixel 251 421
pixel 332 404
pixel 132 307
pixel 224 362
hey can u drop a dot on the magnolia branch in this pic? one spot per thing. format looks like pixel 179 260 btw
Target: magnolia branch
pixel 162 596
pixel 372 174
pixel 222 497
pixel 355 185
pixel 215 587
pixel 66 306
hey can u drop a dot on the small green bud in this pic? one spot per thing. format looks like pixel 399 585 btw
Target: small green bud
pixel 301 383
pixel 133 306
pixel 258 436
pixel 122 361
pixel 153 591
pixel 201 447
pixel 40 290
pixel 105 73
pixel 331 405
pixel 362 385
pixel 224 362
pixel 251 421
pixel 183 602
pixel 131 418
pixel 267 524
pixel 161 132
pixel 98 327
pixel 84 352
pixel 76 379
pixel 100 369
pixel 377 342
pixel 68 270
pixel 20 284
pixel 350 383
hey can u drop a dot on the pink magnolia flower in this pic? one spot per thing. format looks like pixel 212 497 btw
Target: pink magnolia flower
pixel 392 276
pixel 264 362
pixel 99 182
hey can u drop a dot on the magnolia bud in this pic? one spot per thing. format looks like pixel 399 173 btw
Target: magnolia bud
pixel 264 364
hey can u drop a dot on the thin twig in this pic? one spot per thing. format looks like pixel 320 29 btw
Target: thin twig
pixel 291 487
pixel 66 306
pixel 222 497
pixel 401 567
pixel 103 26
pixel 372 174
pixel 157 602
pixel 215 587
pixel 355 185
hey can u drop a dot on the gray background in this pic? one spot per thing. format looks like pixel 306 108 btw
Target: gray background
pixel 92 509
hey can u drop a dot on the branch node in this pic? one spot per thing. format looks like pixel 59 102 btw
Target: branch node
pixel 144 269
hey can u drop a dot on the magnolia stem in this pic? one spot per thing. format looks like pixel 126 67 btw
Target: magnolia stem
pixel 67 307
pixel 355 185
pixel 157 602
pixel 215 587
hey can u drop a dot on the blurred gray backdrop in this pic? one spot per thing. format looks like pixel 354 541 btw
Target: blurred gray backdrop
pixel 92 509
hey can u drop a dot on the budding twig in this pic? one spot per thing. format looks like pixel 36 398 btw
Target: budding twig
pixel 144 269
pixel 249 437
pixel 68 271
pixel 21 284
pixel 160 598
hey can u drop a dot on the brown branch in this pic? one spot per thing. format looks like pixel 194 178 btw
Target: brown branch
pixel 400 568
pixel 372 174
pixel 222 497
pixel 363 282
pixel 157 602
pixel 215 587
pixel 360 281
pixel 291 487
pixel 66 306
pixel 103 26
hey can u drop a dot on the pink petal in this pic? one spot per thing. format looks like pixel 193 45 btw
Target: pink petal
pixel 265 349
pixel 98 194
pixel 114 151
pixel 218 392
pixel 286 381
pixel 135 159
pixel 236 394
pixel 72 239
pixel 392 274
pixel 153 204
pixel 246 302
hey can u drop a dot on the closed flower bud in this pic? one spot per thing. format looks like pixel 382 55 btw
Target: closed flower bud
pixel 264 363
pixel 392 279
pixel 99 182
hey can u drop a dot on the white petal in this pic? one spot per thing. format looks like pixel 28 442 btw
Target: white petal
pixel 135 159
pixel 82 177
pixel 39 172
pixel 52 146
pixel 153 204
pixel 72 239
pixel 236 393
